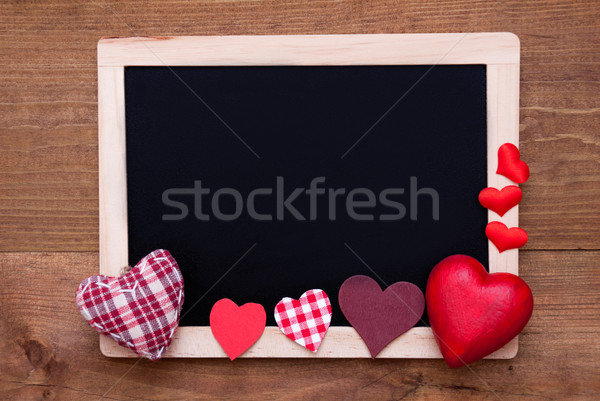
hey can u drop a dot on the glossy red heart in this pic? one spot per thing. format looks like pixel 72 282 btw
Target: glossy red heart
pixel 500 201
pixel 510 165
pixel 473 313
pixel 505 238
pixel 380 316
pixel 236 328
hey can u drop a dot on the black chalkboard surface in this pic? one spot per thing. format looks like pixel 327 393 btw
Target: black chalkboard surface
pixel 411 182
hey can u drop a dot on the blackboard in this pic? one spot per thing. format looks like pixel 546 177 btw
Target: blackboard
pixel 379 143
pixel 297 123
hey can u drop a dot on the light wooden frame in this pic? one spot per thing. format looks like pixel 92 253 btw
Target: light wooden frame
pixel 498 51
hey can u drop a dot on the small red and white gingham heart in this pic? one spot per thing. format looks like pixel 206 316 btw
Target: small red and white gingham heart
pixel 306 320
pixel 139 310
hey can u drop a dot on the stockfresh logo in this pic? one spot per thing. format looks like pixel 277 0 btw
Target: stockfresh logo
pixel 359 203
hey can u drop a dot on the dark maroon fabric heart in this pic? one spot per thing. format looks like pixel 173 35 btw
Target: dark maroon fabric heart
pixel 380 316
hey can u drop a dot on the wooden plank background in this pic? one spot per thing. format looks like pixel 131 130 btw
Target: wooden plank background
pixel 49 202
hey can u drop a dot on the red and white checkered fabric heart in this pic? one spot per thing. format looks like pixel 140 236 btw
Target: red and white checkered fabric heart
pixel 305 320
pixel 139 310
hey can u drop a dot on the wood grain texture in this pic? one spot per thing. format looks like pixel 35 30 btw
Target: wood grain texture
pixel 48 99
pixel 489 48
pixel 49 352
pixel 49 202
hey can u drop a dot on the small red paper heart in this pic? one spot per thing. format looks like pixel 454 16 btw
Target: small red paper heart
pixel 380 316
pixel 305 321
pixel 500 201
pixel 505 238
pixel 473 313
pixel 236 328
pixel 510 165
pixel 139 310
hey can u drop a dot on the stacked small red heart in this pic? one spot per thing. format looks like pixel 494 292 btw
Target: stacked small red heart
pixel 306 320
pixel 505 238
pixel 139 310
pixel 500 201
pixel 510 164
pixel 512 167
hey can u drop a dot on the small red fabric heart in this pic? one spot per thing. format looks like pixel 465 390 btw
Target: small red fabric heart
pixel 380 316
pixel 505 238
pixel 236 328
pixel 305 321
pixel 473 313
pixel 139 310
pixel 510 165
pixel 500 201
